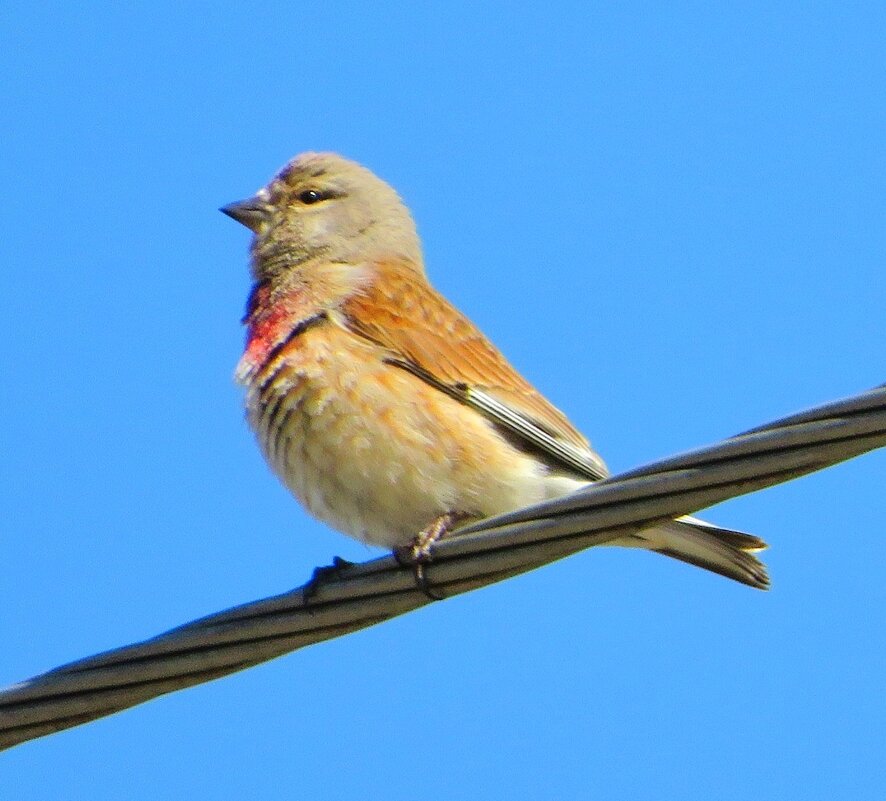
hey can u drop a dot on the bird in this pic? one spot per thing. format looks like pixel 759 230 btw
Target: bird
pixel 382 408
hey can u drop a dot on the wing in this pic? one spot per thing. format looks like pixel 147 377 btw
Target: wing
pixel 424 334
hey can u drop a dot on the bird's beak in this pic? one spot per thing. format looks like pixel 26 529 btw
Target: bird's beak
pixel 251 212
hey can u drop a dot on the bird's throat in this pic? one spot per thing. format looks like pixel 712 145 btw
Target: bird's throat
pixel 278 310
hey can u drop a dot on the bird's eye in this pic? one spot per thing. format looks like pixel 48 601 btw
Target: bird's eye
pixel 310 196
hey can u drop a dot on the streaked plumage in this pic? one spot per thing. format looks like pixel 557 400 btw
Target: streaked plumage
pixel 382 407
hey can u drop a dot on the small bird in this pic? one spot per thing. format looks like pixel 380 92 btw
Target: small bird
pixel 383 409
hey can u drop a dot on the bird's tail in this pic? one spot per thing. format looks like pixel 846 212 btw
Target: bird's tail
pixel 720 550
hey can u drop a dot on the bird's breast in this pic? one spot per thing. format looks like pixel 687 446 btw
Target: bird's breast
pixel 270 322
pixel 373 450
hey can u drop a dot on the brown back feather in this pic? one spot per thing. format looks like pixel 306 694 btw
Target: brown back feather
pixel 400 311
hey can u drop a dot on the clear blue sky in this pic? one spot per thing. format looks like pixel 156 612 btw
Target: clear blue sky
pixel 670 216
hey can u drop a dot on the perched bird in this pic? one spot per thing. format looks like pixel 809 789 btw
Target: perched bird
pixel 382 408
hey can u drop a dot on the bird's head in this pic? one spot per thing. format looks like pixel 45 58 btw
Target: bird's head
pixel 324 208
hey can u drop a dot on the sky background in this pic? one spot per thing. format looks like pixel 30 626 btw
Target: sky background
pixel 669 216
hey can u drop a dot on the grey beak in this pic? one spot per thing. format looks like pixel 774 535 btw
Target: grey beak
pixel 250 212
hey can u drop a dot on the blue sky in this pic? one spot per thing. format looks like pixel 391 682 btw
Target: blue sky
pixel 669 216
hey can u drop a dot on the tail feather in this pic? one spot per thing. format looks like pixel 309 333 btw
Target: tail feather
pixel 720 550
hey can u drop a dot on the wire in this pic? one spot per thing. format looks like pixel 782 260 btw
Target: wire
pixel 347 597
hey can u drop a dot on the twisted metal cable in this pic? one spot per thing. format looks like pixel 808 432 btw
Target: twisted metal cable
pixel 357 596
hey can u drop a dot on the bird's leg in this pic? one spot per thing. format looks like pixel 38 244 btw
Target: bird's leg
pixel 419 551
pixel 322 574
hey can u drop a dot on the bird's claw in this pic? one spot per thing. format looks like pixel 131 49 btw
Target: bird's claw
pixel 421 550
pixel 322 574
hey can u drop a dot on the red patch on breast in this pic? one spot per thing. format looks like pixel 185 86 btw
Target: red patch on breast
pixel 264 333
pixel 268 322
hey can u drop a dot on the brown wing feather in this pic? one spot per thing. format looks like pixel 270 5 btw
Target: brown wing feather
pixel 404 314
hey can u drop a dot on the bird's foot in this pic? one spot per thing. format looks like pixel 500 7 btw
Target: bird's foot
pixel 322 574
pixel 420 551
